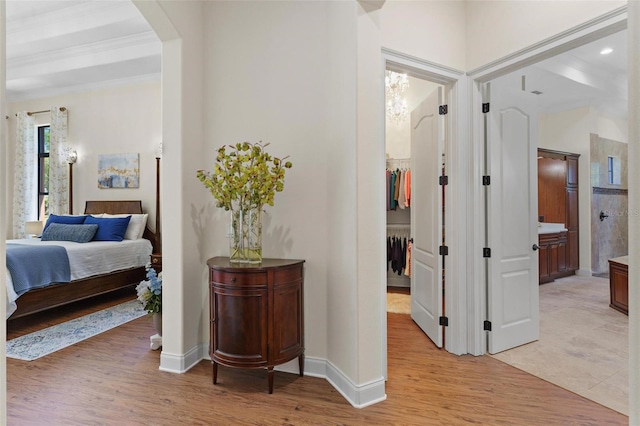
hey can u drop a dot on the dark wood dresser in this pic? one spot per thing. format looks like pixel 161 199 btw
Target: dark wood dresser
pixel 256 314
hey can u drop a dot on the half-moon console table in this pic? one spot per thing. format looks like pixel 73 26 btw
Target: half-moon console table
pixel 256 314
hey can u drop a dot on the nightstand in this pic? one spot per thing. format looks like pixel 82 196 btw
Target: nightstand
pixel 156 261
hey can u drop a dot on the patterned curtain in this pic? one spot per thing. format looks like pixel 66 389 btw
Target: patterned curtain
pixel 58 166
pixel 25 185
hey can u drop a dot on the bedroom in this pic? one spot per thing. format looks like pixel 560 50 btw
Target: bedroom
pixel 354 350
pixel 108 85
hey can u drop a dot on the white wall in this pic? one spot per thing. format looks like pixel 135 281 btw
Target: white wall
pixel 111 121
pixel 495 29
pixel 267 80
pixel 613 128
pixel 179 25
pixel 431 30
pixel 4 162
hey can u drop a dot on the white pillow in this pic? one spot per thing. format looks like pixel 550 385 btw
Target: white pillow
pixel 136 227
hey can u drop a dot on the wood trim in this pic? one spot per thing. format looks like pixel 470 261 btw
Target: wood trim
pixel 609 191
pixel 558 155
pixel 60 294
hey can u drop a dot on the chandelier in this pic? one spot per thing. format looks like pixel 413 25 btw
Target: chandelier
pixel 395 85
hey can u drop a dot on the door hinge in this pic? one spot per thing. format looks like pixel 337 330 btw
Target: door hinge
pixel 486 252
pixel 487 325
pixel 444 180
pixel 485 107
pixel 444 321
pixel 444 250
pixel 443 109
pixel 486 180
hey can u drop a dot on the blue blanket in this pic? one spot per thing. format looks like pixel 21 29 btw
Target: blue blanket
pixel 32 266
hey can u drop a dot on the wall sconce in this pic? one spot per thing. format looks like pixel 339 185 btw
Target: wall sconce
pixel 33 228
pixel 72 156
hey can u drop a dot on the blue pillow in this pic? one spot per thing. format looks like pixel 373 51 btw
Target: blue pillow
pixel 66 232
pixel 109 229
pixel 69 220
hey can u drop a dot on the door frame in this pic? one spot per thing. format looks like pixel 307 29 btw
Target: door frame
pixel 592 30
pixel 456 214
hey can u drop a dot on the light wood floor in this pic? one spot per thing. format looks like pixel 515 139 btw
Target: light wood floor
pixel 113 379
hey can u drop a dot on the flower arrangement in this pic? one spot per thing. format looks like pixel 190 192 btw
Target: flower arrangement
pixel 246 177
pixel 150 291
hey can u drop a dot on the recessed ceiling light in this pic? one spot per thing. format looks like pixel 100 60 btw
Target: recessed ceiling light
pixel 606 51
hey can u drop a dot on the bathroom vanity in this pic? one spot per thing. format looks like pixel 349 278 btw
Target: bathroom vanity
pixel 619 283
pixel 552 258
pixel 558 204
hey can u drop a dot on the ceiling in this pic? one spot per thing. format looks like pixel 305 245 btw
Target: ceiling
pixel 583 77
pixel 59 47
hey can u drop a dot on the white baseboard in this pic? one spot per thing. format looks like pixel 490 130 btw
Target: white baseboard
pixel 174 363
pixel 359 396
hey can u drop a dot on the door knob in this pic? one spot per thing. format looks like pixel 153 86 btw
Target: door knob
pixel 535 247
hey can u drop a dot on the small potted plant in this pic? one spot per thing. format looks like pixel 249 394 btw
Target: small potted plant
pixel 245 178
pixel 150 295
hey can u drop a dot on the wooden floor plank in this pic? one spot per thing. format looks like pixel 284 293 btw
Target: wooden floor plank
pixel 113 378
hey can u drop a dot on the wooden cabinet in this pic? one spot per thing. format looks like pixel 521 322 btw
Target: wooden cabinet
pixel 619 284
pixel 156 261
pixel 256 314
pixel 558 199
pixel 552 256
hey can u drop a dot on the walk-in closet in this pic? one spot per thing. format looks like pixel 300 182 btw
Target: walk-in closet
pixel 405 96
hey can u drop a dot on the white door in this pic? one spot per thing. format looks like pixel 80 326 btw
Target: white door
pixel 512 210
pixel 426 217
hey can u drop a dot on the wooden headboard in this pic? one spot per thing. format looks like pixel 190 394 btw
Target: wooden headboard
pixel 122 207
pixel 113 207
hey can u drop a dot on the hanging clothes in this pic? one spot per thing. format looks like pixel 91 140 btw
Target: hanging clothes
pixel 402 198
pixel 398 188
pixel 388 180
pixel 397 252
pixel 392 191
pixel 407 266
pixel 407 189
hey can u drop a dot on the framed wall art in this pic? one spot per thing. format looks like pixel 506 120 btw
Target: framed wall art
pixel 119 170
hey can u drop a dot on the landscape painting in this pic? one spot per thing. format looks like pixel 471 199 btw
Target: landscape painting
pixel 119 171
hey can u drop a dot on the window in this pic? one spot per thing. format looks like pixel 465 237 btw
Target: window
pixel 613 170
pixel 43 172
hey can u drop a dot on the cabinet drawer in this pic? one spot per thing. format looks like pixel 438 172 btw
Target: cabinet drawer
pixel 288 275
pixel 242 279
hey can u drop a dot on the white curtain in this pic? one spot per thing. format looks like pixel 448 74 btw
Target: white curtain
pixel 25 186
pixel 58 166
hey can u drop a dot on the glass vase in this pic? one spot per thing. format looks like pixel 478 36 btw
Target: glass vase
pixel 245 236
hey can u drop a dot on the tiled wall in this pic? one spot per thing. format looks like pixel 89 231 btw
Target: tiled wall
pixel 609 237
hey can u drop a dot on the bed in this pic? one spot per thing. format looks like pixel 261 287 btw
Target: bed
pixel 84 258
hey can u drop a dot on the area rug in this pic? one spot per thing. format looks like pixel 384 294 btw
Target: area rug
pixel 398 303
pixel 43 342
